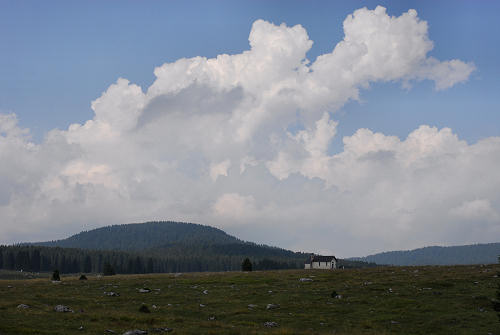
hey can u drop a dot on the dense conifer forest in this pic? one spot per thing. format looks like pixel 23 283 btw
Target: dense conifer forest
pixel 152 247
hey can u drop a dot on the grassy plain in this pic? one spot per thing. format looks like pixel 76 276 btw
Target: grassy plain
pixel 385 300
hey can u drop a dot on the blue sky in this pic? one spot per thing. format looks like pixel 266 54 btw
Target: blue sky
pixel 253 142
pixel 57 56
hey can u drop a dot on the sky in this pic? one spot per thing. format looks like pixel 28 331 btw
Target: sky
pixel 335 127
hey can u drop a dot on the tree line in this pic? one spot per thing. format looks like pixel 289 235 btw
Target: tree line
pixel 70 260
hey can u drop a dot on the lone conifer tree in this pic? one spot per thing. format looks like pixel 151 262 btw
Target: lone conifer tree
pixel 55 276
pixel 246 265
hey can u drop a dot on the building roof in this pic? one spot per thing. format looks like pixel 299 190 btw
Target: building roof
pixel 318 258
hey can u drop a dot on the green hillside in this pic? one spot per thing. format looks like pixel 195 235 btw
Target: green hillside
pixel 141 236
pixel 455 255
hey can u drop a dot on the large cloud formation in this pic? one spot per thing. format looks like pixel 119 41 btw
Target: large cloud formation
pixel 210 141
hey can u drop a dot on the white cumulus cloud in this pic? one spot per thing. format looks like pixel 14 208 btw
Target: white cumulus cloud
pixel 209 141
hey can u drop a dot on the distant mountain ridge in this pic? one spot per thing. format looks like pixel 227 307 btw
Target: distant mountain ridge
pixel 143 236
pixel 454 255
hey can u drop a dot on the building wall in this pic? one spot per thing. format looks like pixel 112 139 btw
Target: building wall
pixel 324 265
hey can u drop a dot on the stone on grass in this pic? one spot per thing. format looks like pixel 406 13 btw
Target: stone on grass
pixel 252 306
pixel 135 332
pixel 63 309
pixel 23 306
pixel 305 279
pixel 205 291
pixel 161 330
pixel 144 290
pixel 270 324
pixel 272 306
pixel 112 294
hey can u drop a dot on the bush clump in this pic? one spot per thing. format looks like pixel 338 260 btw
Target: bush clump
pixel 246 265
pixel 55 276
pixel 144 309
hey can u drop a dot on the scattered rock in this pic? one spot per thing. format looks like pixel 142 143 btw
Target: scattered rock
pixel 252 306
pixel 135 332
pixel 205 291
pixel 394 322
pixel 63 309
pixel 144 309
pixel 305 279
pixel 161 330
pixel 270 324
pixel 338 296
pixel 201 305
pixel 269 291
pixel 389 290
pixel 112 294
pixel 23 306
pixel 211 318
pixel 154 307
pixel 144 290
pixel 80 328
pixel 272 306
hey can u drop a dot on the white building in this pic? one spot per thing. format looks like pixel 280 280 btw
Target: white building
pixel 321 262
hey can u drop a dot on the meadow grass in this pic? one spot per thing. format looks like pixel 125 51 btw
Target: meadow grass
pixel 384 300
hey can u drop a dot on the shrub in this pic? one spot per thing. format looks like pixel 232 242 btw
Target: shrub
pixel 246 265
pixel 55 276
pixel 83 277
pixel 144 309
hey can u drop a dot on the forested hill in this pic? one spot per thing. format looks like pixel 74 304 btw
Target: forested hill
pixel 151 247
pixel 148 247
pixel 142 236
pixel 455 255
